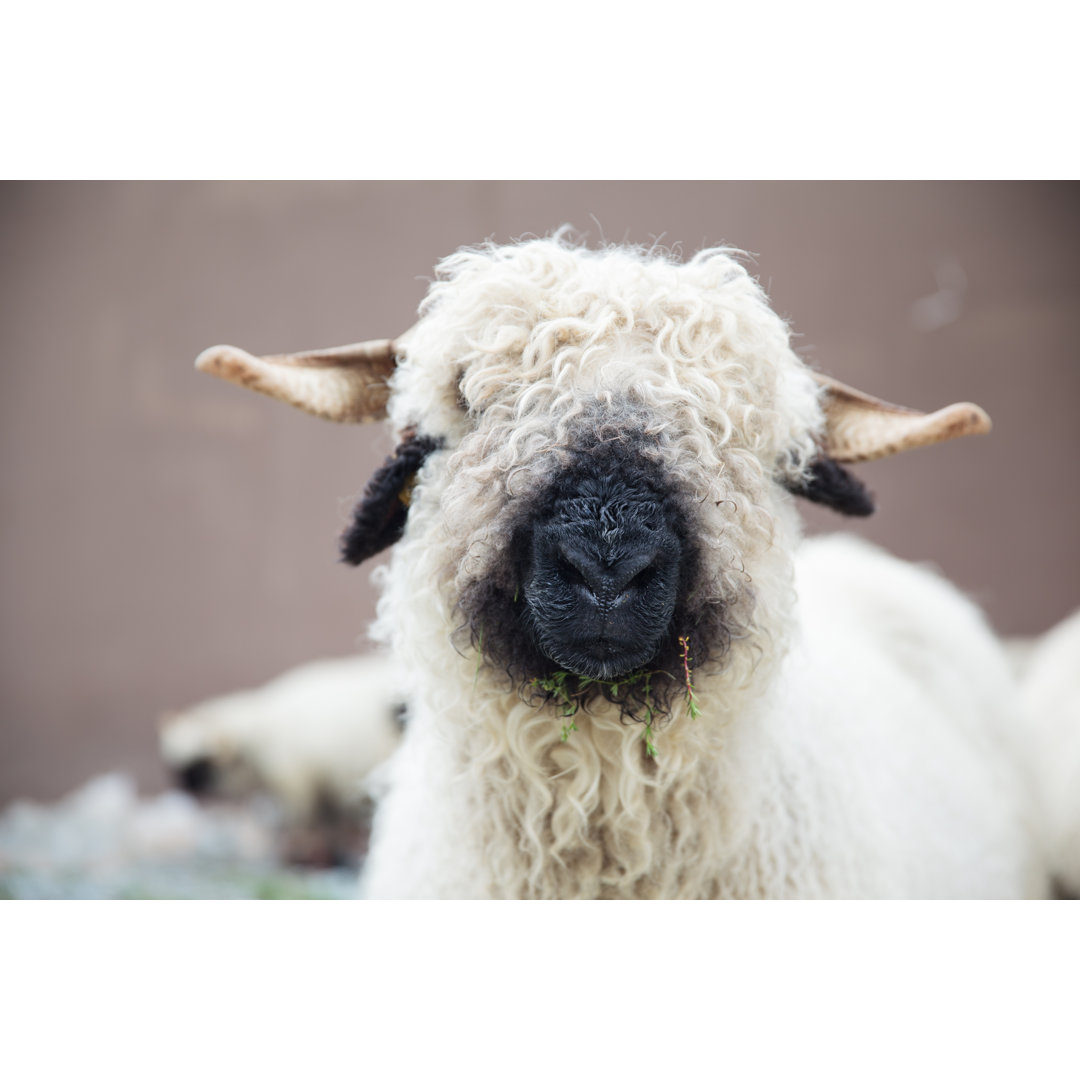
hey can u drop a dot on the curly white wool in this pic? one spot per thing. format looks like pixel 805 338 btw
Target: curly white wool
pixel 851 742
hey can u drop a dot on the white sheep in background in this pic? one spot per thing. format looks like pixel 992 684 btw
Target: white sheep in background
pixel 630 676
pixel 312 738
pixel 1051 698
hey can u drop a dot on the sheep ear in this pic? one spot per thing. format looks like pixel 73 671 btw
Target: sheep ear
pixel 859 427
pixel 830 484
pixel 379 517
pixel 347 383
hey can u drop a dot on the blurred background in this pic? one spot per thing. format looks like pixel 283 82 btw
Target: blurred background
pixel 166 537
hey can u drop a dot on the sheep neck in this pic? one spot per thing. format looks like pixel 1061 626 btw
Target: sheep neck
pixel 596 816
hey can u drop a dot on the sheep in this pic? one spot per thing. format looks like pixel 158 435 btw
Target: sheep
pixel 631 677
pixel 1050 693
pixel 314 739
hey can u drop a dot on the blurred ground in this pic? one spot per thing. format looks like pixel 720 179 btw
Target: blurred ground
pixel 106 842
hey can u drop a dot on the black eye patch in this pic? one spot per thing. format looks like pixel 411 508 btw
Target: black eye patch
pixel 379 517
pixel 831 485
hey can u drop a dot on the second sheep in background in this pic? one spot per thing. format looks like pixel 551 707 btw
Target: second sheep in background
pixel 311 739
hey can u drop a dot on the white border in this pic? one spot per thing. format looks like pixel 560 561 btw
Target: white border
pixel 240 989
pixel 554 91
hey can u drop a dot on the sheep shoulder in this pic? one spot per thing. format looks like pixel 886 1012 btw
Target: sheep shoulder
pixel 903 704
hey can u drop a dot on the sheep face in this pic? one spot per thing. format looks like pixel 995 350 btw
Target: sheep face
pixel 614 434
pixel 204 760
pixel 602 560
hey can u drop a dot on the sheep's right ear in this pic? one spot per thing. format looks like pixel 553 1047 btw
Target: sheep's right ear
pixel 347 383
pixel 379 517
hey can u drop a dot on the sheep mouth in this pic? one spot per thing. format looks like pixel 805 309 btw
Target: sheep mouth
pixel 598 659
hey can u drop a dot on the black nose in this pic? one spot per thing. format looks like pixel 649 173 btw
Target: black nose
pixel 608 578
pixel 197 776
pixel 603 577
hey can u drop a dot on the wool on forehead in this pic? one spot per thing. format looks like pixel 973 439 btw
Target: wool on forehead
pixel 544 328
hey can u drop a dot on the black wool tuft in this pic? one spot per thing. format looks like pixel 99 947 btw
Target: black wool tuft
pixel 379 517
pixel 831 485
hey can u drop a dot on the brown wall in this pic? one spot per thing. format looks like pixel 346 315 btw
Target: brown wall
pixel 166 537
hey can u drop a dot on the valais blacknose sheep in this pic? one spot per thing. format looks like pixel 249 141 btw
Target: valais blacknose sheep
pixel 630 677
pixel 312 738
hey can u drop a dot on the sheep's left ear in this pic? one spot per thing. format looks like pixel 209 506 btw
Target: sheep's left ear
pixel 379 517
pixel 859 427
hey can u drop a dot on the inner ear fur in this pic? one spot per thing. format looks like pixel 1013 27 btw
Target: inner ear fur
pixel 827 482
pixel 379 517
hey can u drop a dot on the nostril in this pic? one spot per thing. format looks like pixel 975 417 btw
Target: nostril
pixel 643 578
pixel 638 583
pixel 572 575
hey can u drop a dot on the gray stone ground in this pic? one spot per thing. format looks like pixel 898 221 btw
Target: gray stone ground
pixel 105 842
